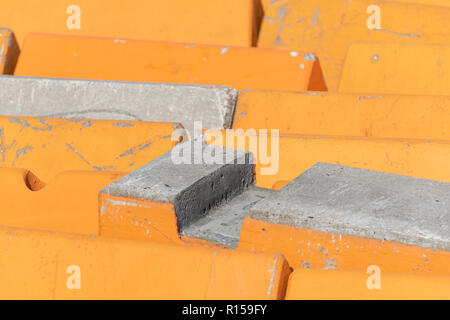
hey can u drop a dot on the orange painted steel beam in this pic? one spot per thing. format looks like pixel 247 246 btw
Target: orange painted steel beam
pixel 53 169
pixel 311 249
pixel 137 219
pixel 336 114
pixel 443 3
pixel 231 22
pixel 397 68
pixel 67 203
pixel 327 28
pixel 47 265
pixel 335 285
pixel 46 55
pixel 47 146
pixel 9 51
pixel 294 154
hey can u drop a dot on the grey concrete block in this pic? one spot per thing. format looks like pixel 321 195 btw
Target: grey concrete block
pixel 344 200
pixel 193 189
pixel 222 225
pixel 114 100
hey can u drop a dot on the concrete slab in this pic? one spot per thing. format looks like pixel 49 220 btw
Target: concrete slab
pixel 193 187
pixel 113 100
pixel 382 206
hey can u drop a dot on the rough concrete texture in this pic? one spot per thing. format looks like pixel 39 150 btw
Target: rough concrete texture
pixel 364 203
pixel 193 189
pixel 113 100
pixel 222 225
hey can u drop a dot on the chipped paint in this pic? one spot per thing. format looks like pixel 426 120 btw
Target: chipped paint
pixel 124 125
pixel 272 275
pixel 310 56
pixel 409 35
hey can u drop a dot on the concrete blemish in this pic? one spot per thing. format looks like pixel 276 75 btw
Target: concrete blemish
pixel 409 35
pixel 305 264
pixel 86 124
pixel 281 12
pixel 272 271
pixel 269 19
pixel 23 151
pixel 224 50
pixel 139 147
pixel 144 146
pixel 331 265
pixel 316 17
pixel 361 98
pixel 104 168
pixel 77 153
pixel 294 53
pixel 124 125
pixel 309 56
pixel 27 125
pixel 126 153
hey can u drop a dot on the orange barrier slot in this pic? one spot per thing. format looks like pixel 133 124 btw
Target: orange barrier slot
pixel 335 285
pixel 47 147
pixel 45 265
pixel 356 115
pixel 231 22
pixel 327 28
pixel 47 55
pixel 383 68
pixel 9 52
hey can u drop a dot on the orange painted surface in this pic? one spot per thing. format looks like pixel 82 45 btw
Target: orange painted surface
pixel 327 28
pixel 67 203
pixel 389 116
pixel 335 285
pixel 397 68
pixel 9 51
pixel 128 218
pixel 47 147
pixel 46 55
pixel 310 249
pixel 46 265
pixel 426 159
pixel 443 3
pixel 231 22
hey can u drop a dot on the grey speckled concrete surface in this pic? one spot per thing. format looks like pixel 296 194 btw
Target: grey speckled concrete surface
pixel 222 225
pixel 364 203
pixel 193 189
pixel 114 100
